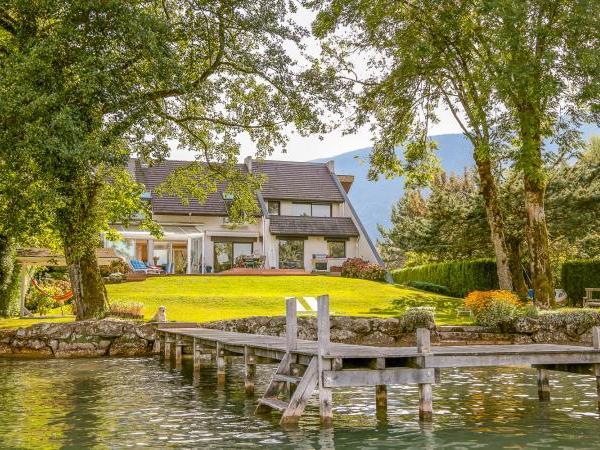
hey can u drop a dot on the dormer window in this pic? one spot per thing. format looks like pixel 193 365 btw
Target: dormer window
pixel 274 208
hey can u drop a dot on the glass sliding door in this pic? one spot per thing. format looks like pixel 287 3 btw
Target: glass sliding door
pixel 226 253
pixel 291 254
pixel 196 255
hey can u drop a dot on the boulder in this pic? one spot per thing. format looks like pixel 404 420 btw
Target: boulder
pixel 130 345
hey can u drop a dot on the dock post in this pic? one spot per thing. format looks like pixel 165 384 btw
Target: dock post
pixel 178 350
pixel 250 370
pixel 425 391
pixel 291 335
pixel 381 402
pixel 196 354
pixel 596 345
pixel 543 384
pixel 323 346
pixel 167 349
pixel 156 346
pixel 220 364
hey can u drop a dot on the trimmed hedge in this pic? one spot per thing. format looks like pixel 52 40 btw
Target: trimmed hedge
pixel 578 274
pixel 461 277
pixel 429 287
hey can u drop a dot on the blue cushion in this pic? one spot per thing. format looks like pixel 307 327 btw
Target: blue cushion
pixel 137 264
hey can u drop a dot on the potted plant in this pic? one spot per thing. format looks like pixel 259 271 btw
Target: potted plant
pixel 208 269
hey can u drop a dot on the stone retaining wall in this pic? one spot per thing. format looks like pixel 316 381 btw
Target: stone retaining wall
pixel 108 337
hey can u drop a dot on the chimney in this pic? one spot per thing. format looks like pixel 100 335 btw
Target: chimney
pixel 331 166
pixel 248 162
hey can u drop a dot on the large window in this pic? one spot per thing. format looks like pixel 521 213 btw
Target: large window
pixel 311 209
pixel 336 249
pixel 274 208
pixel 291 254
pixel 227 252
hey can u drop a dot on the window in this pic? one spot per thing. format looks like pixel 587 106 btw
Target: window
pixel 291 254
pixel 301 209
pixel 227 252
pixel 273 208
pixel 321 210
pixel 311 209
pixel 336 249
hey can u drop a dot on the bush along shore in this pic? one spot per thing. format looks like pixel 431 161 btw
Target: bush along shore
pixel 111 337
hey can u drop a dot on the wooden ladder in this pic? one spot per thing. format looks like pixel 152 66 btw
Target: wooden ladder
pixel 298 397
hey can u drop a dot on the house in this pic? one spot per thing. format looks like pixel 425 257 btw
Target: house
pixel 306 222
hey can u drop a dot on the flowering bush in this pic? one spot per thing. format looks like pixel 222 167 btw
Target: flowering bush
pixel 119 266
pixel 359 268
pixel 492 308
pixel 417 317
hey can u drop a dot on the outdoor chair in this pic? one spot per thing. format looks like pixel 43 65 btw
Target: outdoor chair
pixel 140 267
pixel 589 301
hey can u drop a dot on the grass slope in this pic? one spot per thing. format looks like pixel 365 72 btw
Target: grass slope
pixel 217 298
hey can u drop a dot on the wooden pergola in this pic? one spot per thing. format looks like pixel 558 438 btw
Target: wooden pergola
pixel 29 257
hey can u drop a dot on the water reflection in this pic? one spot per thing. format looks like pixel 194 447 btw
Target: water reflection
pixel 141 402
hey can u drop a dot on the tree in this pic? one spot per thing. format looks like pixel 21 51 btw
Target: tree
pixel 447 223
pixel 85 84
pixel 425 56
pixel 544 61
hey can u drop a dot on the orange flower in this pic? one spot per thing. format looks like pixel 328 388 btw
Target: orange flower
pixel 478 301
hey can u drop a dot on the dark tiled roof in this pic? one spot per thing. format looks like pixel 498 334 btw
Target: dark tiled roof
pixel 151 177
pixel 312 226
pixel 298 181
pixel 285 181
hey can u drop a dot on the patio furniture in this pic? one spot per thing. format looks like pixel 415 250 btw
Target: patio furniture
pixel 463 312
pixel 140 267
pixel 589 301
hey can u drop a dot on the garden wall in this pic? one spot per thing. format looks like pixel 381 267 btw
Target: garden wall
pixel 88 338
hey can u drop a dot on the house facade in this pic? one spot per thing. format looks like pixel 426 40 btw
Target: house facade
pixel 306 222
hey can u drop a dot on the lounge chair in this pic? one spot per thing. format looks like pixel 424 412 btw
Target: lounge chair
pixel 140 267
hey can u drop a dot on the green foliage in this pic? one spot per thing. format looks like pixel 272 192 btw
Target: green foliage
pixel 570 321
pixel 429 287
pixel 359 268
pixel 461 277
pixel 417 317
pixel 497 313
pixel 576 275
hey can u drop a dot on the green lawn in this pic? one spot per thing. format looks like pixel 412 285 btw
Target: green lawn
pixel 215 298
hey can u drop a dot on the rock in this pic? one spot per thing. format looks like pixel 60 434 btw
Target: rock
pixel 130 345
pixel 362 326
pixel 146 331
pixel 5 349
pixel 30 347
pixel 390 327
pixel 79 349
pixel 377 338
pixel 345 336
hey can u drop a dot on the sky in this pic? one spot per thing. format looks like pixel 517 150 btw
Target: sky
pixel 313 147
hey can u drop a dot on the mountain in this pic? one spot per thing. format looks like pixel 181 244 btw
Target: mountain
pixel 373 200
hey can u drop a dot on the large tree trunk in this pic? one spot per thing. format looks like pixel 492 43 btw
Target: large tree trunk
pixel 86 281
pixel 495 220
pixel 9 277
pixel 534 184
pixel 516 269
pixel 538 243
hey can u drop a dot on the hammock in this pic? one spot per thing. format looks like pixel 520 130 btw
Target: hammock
pixel 57 298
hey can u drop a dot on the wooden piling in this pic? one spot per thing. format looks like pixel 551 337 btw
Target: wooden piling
pixel 220 364
pixel 543 384
pixel 425 391
pixel 323 346
pixel 250 370
pixel 196 355
pixel 178 350
pixel 381 392
pixel 167 347
pixel 156 346
pixel 596 345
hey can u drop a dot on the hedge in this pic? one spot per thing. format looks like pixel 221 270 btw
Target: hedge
pixel 578 274
pixel 461 277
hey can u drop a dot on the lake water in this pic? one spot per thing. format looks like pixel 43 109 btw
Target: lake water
pixel 117 403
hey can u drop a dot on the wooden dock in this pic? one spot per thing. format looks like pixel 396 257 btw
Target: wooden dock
pixel 305 367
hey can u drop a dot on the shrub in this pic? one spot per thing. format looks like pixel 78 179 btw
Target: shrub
pixel 493 308
pixel 460 277
pixel 359 268
pixel 429 287
pixel 418 317
pixel 126 310
pixel 119 266
pixel 41 303
pixel 576 275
